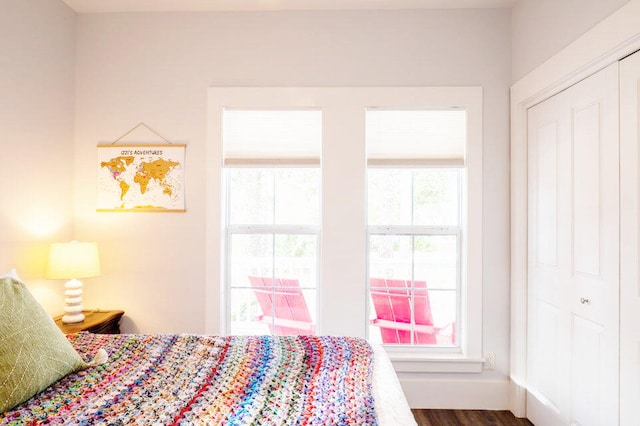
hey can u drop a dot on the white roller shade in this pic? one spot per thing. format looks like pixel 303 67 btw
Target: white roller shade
pixel 416 137
pixel 262 137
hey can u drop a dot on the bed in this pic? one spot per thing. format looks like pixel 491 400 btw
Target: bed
pixel 170 379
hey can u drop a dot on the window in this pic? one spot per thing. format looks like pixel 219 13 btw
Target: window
pixel 272 226
pixel 414 219
pixel 414 255
pixel 397 197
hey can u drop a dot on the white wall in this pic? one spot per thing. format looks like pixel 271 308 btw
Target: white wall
pixel 156 68
pixel 541 28
pixel 37 80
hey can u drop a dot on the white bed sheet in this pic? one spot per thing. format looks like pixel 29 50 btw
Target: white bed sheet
pixel 391 405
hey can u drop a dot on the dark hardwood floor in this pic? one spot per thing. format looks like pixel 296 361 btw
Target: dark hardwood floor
pixel 467 418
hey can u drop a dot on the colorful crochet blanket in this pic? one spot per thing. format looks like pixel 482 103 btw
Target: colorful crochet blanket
pixel 211 380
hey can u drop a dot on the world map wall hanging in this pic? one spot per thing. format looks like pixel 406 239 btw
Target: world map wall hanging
pixel 141 178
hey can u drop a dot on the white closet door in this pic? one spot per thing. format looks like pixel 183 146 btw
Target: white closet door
pixel 548 321
pixel 629 241
pixel 573 331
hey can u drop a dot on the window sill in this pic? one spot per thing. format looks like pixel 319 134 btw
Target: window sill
pixel 434 363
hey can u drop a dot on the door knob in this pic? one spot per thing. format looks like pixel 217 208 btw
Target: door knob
pixel 584 301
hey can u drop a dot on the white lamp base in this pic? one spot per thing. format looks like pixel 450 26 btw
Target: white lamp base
pixel 73 299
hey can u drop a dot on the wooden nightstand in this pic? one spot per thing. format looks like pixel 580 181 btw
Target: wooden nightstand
pixel 99 322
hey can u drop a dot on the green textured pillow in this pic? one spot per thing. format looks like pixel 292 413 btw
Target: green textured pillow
pixel 34 353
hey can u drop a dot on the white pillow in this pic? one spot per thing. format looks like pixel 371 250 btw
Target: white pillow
pixel 11 274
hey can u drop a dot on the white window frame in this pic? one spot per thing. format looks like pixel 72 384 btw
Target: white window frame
pixel 343 273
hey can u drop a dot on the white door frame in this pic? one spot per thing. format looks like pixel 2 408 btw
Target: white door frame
pixel 612 39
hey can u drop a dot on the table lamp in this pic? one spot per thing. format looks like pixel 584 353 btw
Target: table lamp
pixel 71 261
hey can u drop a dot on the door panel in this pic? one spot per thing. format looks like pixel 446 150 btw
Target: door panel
pixel 629 240
pixel 548 369
pixel 574 210
pixel 589 347
pixel 548 364
pixel 547 201
pixel 586 185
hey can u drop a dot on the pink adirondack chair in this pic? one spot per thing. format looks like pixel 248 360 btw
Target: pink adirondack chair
pixel 284 308
pixel 390 309
pixel 392 303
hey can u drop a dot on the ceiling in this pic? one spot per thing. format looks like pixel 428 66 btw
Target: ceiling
pixel 105 6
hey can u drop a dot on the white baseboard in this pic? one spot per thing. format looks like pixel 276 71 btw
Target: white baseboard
pixel 459 394
pixel 517 399
pixel 544 413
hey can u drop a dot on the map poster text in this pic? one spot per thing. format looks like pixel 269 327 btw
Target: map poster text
pixel 141 178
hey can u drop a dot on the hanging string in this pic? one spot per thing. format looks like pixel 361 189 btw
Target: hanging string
pixel 148 128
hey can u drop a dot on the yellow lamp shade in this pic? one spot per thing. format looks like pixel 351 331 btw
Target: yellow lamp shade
pixel 73 260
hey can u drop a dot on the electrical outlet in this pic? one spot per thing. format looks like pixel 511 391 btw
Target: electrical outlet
pixel 490 361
